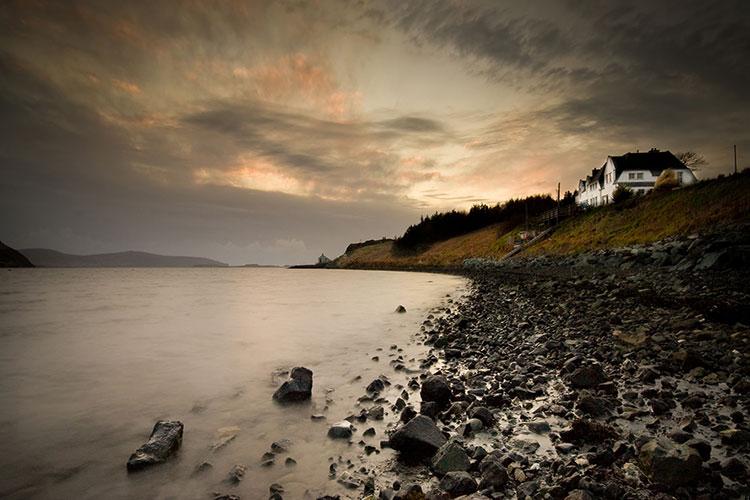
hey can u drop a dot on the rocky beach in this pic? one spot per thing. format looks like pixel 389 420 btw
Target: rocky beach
pixel 620 374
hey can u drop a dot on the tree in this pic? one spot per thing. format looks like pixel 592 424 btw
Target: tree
pixel 694 161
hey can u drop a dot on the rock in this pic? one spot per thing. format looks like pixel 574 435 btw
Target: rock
pixel 735 437
pixel 734 468
pixel 579 495
pixel 297 388
pixel 165 439
pixel 236 474
pixel 376 412
pixel 484 415
pixel 633 338
pixel 702 447
pixel 375 386
pixel 458 483
pixel 538 426
pixel 220 496
pixel 400 309
pixel 340 430
pixel 586 431
pixel 224 436
pixel 587 377
pixel 436 389
pixel 494 476
pixel 450 457
pixel 670 463
pixel 281 446
pixel 407 414
pixel 419 437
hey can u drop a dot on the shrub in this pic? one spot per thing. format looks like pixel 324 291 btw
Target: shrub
pixel 667 180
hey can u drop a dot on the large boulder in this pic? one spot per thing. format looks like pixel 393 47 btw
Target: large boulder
pixel 297 388
pixel 165 439
pixel 436 389
pixel 419 437
pixel 669 463
pixel 340 430
pixel 449 458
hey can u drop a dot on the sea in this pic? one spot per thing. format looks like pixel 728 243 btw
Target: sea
pixel 90 359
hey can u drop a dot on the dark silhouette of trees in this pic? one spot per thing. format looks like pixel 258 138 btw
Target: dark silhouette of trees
pixel 445 225
pixel 694 161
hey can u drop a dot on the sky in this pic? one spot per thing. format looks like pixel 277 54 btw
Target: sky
pixel 272 131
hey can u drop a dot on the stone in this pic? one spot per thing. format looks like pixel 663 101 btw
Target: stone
pixel 484 415
pixel 450 457
pixel 586 377
pixel 340 430
pixel 376 412
pixel 579 495
pixel 436 389
pixel 586 431
pixel 734 468
pixel 375 386
pixel 458 483
pixel 669 463
pixel 419 437
pixel 538 426
pixel 236 474
pixel 166 438
pixel 494 476
pixel 297 388
pixel 400 309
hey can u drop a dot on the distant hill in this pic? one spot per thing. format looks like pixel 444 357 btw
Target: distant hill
pixel 43 257
pixel 12 258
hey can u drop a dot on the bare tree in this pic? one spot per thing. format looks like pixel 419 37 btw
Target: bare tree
pixel 694 161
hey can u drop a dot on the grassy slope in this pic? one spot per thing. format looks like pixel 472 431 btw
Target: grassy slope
pixel 698 208
pixel 490 242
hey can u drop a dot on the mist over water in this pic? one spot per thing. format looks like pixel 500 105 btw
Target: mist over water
pixel 91 358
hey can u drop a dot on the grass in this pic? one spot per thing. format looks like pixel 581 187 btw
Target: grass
pixel 702 207
pixel 699 208
pixel 490 242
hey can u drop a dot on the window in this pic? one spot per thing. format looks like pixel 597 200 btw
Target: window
pixel 639 175
pixel 605 199
pixel 679 177
pixel 631 176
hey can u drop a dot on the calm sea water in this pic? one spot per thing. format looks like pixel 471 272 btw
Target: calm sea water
pixel 91 358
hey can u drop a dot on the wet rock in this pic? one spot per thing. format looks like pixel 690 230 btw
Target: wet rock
pixel 225 435
pixel 376 412
pixel 220 496
pixel 494 476
pixel 579 495
pixel 297 388
pixel 735 437
pixel 450 457
pixel 290 462
pixel 484 415
pixel 734 468
pixel 400 309
pixel 375 386
pixel 340 430
pixel 436 389
pixel 538 426
pixel 407 414
pixel 165 439
pixel 419 437
pixel 670 463
pixel 588 431
pixel 458 483
pixel 281 446
pixel 236 474
pixel 587 377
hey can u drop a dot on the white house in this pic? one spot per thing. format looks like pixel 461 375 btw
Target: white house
pixel 637 171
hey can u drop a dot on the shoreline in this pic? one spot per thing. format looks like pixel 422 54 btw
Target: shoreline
pixel 589 380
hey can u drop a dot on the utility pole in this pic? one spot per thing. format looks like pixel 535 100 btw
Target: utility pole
pixel 526 211
pixel 735 158
pixel 557 212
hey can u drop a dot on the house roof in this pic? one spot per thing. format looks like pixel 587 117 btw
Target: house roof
pixel 654 161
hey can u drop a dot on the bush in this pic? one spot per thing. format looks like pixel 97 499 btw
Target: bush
pixel 667 180
pixel 622 193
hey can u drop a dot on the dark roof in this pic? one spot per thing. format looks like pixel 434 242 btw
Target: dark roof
pixel 654 161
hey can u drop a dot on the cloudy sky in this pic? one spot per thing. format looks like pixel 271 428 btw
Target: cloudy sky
pixel 269 132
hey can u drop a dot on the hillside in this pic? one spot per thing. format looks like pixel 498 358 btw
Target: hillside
pixel 10 257
pixel 703 207
pixel 491 242
pixel 43 257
